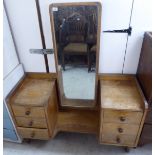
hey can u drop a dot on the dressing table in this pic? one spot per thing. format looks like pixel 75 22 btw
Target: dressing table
pixel 123 110
pixel 77 98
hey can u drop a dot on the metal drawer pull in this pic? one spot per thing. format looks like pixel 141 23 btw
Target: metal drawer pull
pixel 30 123
pixel 27 112
pixel 122 119
pixel 118 140
pixel 120 130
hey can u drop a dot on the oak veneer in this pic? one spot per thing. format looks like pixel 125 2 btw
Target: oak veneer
pixel 118 120
pixel 28 111
pixel 119 128
pixel 83 121
pixel 121 95
pixel 33 133
pixel 33 105
pixel 31 122
pixel 123 110
pixel 117 116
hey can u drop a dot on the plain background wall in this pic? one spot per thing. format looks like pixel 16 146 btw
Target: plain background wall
pixel 115 15
pixel 24 22
pixel 141 21
pixel 10 58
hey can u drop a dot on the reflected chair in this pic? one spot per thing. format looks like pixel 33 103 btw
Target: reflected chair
pixel 73 37
pixel 91 40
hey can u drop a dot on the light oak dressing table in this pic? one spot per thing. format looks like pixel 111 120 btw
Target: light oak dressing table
pixel 77 98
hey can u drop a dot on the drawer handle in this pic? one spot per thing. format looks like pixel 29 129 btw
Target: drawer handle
pixel 120 130
pixel 118 140
pixel 27 112
pixel 122 119
pixel 32 135
pixel 30 123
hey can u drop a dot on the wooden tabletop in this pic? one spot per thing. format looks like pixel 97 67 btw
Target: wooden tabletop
pixel 35 92
pixel 120 95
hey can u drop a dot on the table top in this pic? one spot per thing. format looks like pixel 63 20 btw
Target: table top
pixel 121 95
pixel 35 92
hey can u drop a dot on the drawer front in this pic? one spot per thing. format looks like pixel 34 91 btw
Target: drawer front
pixel 37 112
pixel 119 128
pixel 121 116
pixel 33 133
pixel 116 139
pixel 31 122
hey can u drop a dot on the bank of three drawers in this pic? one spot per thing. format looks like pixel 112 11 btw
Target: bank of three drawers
pixel 33 107
pixel 122 112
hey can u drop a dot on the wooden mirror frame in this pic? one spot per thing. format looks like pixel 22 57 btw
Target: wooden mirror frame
pixel 76 103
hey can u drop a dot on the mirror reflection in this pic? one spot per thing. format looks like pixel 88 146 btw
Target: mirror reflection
pixel 76 36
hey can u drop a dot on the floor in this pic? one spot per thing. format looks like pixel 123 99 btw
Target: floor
pixel 70 144
pixel 79 80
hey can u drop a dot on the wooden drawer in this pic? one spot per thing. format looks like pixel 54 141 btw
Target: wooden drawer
pixel 119 128
pixel 121 116
pixel 33 133
pixel 25 111
pixel 117 139
pixel 31 122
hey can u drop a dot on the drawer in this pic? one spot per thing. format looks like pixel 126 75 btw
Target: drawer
pixel 116 139
pixel 33 133
pixel 28 111
pixel 31 122
pixel 119 128
pixel 121 116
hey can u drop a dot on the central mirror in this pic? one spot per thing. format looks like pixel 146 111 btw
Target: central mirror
pixel 75 31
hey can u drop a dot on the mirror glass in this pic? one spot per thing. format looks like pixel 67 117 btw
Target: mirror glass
pixel 75 30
